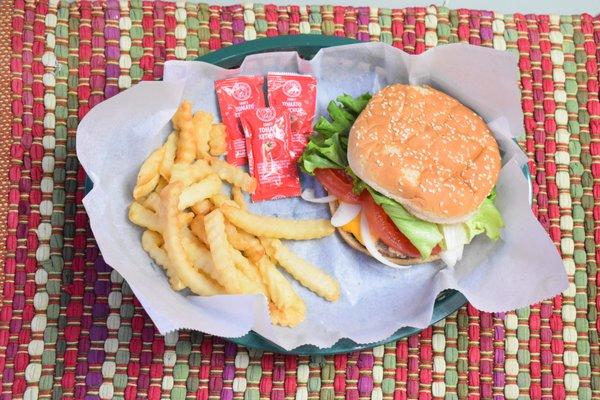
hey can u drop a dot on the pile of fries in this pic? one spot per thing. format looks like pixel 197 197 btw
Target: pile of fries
pixel 201 233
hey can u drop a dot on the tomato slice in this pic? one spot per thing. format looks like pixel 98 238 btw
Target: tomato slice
pixel 383 227
pixel 337 183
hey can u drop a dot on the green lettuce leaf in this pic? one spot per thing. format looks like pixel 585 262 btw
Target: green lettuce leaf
pixel 314 160
pixel 422 234
pixel 324 127
pixel 328 147
pixel 358 185
pixel 341 119
pixel 324 152
pixel 492 195
pixel 487 219
pixel 354 104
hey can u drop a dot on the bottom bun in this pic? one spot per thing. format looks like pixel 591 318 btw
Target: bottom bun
pixel 385 250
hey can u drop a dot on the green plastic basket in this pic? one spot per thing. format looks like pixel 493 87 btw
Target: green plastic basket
pixel 307 46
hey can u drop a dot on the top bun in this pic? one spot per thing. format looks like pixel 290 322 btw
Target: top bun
pixel 425 150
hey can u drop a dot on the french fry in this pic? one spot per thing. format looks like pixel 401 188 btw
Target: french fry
pixel 219 199
pixel 152 202
pixel 197 227
pixel 245 242
pixel 202 259
pixel 234 175
pixel 182 115
pixel 246 267
pixel 239 260
pixel 148 176
pixel 287 307
pixel 171 230
pixel 151 242
pixel 203 207
pixel 147 218
pixel 187 234
pixel 197 192
pixel 202 122
pixel 162 182
pixel 186 145
pixel 185 218
pixel 232 279
pixel 170 147
pixel 304 272
pixel 190 173
pixel 279 228
pixel 218 139
pixel 198 253
pixel 141 216
pixel 238 197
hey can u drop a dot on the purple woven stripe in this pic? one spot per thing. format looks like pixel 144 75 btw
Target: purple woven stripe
pixel 498 377
pixel 112 50
pixel 226 16
pixel 238 25
pixel 486 31
pixel 363 19
pixel 365 382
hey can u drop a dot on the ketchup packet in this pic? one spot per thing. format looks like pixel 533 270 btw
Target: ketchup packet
pixel 237 95
pixel 267 129
pixel 298 94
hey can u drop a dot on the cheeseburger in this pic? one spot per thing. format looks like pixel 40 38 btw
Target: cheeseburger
pixel 410 173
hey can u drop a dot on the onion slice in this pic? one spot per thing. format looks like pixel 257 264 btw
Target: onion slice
pixel 372 248
pixel 309 195
pixel 344 214
pixel 452 256
pixel 455 238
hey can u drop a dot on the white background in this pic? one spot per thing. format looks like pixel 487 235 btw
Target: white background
pixel 505 6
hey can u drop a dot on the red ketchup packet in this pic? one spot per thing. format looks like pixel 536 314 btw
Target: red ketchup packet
pixel 267 129
pixel 298 94
pixel 237 95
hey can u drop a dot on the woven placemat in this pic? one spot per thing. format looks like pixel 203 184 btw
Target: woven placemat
pixel 70 327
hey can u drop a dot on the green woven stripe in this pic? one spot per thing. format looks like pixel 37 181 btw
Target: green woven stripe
pixel 462 366
pixel 444 28
pixel 315 20
pixel 523 354
pixel 388 385
pixel 585 223
pixel 203 31
pixel 327 26
pixel 451 356
pixel 385 21
pixel 192 41
pixel 453 36
pixel 136 33
pixel 54 266
pixel 260 24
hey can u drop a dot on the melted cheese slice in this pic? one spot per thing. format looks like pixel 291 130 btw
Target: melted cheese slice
pixel 353 227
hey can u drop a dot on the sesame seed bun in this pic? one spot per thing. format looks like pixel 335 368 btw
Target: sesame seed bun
pixel 426 150
pixel 384 249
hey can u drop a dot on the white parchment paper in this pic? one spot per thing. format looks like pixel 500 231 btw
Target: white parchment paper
pixel 523 268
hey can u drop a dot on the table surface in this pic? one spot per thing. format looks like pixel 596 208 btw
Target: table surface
pixel 70 327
